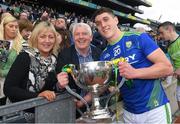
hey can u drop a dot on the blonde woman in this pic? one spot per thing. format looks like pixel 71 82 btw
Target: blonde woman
pixel 33 72
pixel 9 31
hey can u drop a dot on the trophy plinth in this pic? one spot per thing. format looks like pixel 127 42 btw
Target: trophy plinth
pixel 96 116
pixel 90 120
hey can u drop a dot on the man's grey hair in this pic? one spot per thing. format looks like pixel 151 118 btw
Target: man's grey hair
pixel 86 26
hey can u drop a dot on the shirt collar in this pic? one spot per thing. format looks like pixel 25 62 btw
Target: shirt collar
pixel 89 52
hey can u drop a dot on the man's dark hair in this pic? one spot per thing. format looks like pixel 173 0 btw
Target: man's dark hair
pixel 102 10
pixel 166 24
pixel 64 18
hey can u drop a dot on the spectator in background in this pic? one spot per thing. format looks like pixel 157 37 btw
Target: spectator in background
pixel 44 17
pixel 15 9
pixel 143 95
pixel 61 23
pixel 82 51
pixel 9 31
pixel 4 15
pixel 1 10
pixel 53 21
pixel 140 29
pixel 23 15
pixel 25 28
pixel 161 43
pixel 152 35
pixel 168 32
pixel 63 38
pixel 99 41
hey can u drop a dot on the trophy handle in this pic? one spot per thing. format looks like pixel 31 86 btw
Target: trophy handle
pixel 116 90
pixel 70 68
pixel 115 63
pixel 78 96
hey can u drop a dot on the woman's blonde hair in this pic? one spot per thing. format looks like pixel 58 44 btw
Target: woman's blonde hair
pixel 17 41
pixel 44 25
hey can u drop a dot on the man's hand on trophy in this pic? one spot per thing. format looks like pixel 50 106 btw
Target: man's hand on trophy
pixel 62 79
pixel 87 98
pixel 112 88
pixel 79 103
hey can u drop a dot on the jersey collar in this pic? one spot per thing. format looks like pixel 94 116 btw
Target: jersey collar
pixel 118 39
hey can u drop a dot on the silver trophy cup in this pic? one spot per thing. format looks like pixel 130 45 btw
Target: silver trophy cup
pixel 93 77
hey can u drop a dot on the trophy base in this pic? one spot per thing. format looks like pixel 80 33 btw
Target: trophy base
pixel 96 116
pixel 90 120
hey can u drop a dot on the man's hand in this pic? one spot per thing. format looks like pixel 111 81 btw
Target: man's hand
pixel 79 103
pixel 112 88
pixel 126 70
pixel 44 16
pixel 49 95
pixel 87 98
pixel 63 79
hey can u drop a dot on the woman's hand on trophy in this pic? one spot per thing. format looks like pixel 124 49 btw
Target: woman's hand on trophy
pixel 62 79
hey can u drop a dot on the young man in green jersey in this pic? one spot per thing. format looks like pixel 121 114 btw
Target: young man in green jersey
pixel 168 32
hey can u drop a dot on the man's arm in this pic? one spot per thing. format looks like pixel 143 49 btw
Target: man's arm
pixel 161 67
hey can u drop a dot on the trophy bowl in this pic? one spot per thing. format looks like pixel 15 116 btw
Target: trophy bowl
pixel 93 75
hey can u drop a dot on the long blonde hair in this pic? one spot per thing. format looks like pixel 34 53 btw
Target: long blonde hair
pixel 36 31
pixel 17 41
